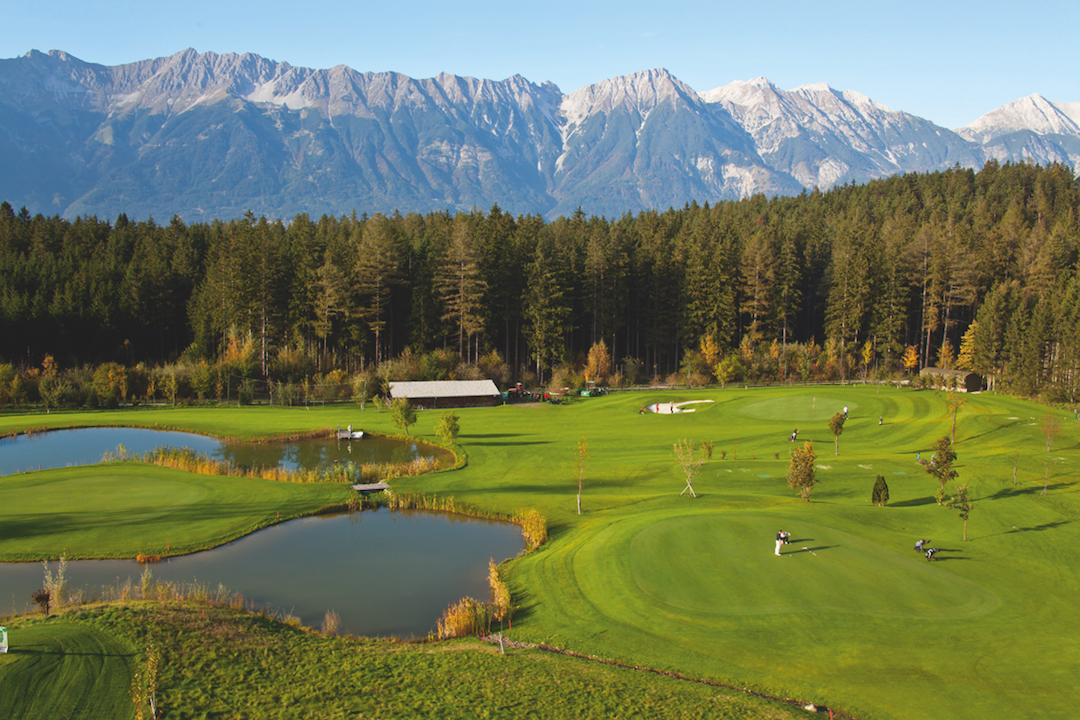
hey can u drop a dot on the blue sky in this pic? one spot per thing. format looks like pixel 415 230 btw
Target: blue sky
pixel 948 62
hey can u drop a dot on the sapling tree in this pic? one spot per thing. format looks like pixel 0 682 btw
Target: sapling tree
pixel 954 402
pixel 961 502
pixel 403 414
pixel 691 458
pixel 836 426
pixel 582 463
pixel 880 494
pixel 940 464
pixel 447 428
pixel 1051 428
pixel 801 471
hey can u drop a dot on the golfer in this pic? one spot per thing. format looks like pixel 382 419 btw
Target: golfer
pixel 779 542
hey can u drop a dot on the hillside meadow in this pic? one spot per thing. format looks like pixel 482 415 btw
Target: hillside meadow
pixel 849 616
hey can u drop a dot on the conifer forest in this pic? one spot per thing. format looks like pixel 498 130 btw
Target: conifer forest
pixel 973 270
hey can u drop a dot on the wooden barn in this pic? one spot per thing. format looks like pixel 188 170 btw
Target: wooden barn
pixel 442 394
pixel 962 380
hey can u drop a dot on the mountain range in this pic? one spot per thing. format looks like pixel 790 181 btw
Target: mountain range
pixel 205 135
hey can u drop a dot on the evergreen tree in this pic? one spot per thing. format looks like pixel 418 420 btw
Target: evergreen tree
pixel 880 494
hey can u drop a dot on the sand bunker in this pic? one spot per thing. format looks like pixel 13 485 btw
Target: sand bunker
pixel 672 408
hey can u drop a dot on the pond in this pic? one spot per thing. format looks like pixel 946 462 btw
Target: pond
pixel 385 573
pixel 85 446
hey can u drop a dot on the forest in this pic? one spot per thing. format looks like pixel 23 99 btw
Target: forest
pixel 955 269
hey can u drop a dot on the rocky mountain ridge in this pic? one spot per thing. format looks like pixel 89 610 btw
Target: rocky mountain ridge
pixel 208 135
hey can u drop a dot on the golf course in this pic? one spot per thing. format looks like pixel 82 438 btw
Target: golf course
pixel 849 616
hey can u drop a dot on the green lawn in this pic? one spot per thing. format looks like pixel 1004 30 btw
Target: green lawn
pixel 121 509
pixel 650 578
pixel 221 663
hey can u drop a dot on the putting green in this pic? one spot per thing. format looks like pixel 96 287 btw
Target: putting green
pixel 797 408
pixel 735 571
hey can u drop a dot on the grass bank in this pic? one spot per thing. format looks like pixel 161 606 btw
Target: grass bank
pixel 221 662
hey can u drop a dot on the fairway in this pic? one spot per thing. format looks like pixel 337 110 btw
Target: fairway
pixel 65 671
pixel 649 578
pixel 123 509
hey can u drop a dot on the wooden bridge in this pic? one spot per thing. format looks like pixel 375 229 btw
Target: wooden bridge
pixel 370 487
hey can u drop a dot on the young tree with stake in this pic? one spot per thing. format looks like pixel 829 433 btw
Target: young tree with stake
pixel 691 459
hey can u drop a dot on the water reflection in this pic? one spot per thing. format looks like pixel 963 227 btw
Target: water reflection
pixel 85 446
pixel 319 453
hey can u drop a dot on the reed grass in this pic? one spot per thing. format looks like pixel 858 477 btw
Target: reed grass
pixel 466 617
pixel 501 608
pixel 533 525
pixel 187 460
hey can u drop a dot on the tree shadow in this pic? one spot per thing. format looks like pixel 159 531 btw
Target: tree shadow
pixel 914 503
pixel 819 548
pixel 1034 528
pixel 1008 492
pixel 489 435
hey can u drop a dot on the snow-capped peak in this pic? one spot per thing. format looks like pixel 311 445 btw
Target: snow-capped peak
pixel 1034 113
pixel 642 91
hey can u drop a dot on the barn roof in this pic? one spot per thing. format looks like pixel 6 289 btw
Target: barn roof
pixel 444 389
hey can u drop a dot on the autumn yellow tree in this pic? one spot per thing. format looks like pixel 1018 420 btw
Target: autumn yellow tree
pixel 911 358
pixel 710 350
pixel 598 366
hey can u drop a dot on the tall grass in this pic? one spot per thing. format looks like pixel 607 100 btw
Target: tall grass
pixel 533 525
pixel 467 616
pixel 188 460
pixel 500 593
pixel 56 585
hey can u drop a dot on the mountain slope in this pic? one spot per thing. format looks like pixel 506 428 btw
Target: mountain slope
pixel 648 140
pixel 1031 128
pixel 207 135
pixel 823 137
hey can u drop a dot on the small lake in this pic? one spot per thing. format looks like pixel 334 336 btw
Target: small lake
pixel 85 446
pixel 385 573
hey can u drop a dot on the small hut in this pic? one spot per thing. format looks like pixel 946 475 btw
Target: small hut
pixel 962 380
pixel 442 394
